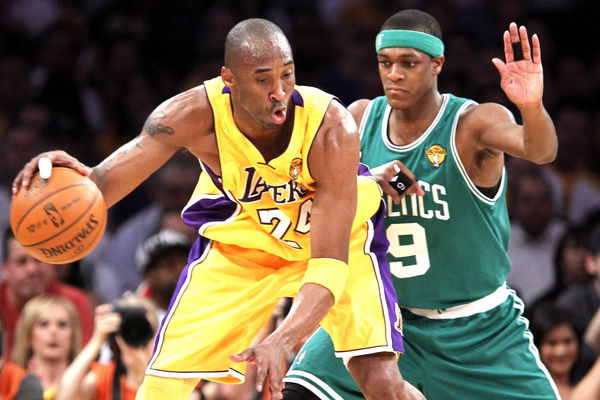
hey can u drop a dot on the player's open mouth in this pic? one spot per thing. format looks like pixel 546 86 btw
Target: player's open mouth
pixel 278 115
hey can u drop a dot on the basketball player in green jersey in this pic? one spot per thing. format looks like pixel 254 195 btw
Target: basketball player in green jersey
pixel 465 337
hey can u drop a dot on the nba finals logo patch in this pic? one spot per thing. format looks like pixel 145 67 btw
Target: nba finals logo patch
pixel 295 168
pixel 436 155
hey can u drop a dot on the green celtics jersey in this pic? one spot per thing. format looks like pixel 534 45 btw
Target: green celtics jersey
pixel 448 247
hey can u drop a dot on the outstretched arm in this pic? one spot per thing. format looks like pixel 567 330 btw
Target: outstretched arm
pixel 182 121
pixel 523 83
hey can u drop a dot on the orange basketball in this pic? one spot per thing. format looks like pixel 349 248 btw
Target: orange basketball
pixel 60 219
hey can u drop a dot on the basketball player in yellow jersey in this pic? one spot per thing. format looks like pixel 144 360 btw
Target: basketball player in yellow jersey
pixel 276 210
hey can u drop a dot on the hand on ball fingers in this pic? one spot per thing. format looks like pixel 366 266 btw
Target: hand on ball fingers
pixel 59 220
pixel 44 163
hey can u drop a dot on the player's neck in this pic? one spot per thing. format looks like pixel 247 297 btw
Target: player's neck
pixel 271 143
pixel 408 124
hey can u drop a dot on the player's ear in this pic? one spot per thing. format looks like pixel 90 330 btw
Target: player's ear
pixel 438 63
pixel 227 76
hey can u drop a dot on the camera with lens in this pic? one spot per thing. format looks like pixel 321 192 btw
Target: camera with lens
pixel 135 328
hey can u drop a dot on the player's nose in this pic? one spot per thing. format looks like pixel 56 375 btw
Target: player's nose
pixel 278 93
pixel 396 73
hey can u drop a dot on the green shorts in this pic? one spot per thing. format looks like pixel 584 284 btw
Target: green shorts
pixel 489 355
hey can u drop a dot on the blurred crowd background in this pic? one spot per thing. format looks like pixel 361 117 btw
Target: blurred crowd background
pixel 83 75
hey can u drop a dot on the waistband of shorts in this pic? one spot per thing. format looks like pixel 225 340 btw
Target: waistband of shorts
pixel 483 304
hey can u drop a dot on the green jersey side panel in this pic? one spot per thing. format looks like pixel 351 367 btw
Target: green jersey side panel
pixel 448 247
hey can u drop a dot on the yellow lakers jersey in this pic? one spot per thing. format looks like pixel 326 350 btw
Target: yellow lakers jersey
pixel 254 204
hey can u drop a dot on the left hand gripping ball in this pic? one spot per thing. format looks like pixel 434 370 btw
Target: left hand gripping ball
pixel 61 219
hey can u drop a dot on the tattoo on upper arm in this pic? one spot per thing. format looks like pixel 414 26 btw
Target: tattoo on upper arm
pixel 153 127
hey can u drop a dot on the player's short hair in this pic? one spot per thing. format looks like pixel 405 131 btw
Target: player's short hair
pixel 413 20
pixel 248 34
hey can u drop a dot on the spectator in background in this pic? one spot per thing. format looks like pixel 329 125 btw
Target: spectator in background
pixel 582 299
pixel 24 278
pixel 535 233
pixel 576 193
pixel 13 377
pixel 570 257
pixel 47 340
pixel 558 341
pixel 171 220
pixel 86 379
pixel 18 143
pixel 160 260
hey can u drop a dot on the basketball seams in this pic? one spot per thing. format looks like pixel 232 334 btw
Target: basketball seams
pixel 61 220
pixel 84 213
pixel 32 207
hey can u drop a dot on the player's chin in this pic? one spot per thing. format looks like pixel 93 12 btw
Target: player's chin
pixel 398 102
pixel 270 124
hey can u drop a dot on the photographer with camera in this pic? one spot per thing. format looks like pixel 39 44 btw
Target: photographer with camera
pixel 129 325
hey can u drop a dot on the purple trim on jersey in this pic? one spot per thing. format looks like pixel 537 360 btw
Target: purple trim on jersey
pixel 297 98
pixel 379 247
pixel 208 209
pixel 364 170
pixel 215 178
pixel 226 90
pixel 196 251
